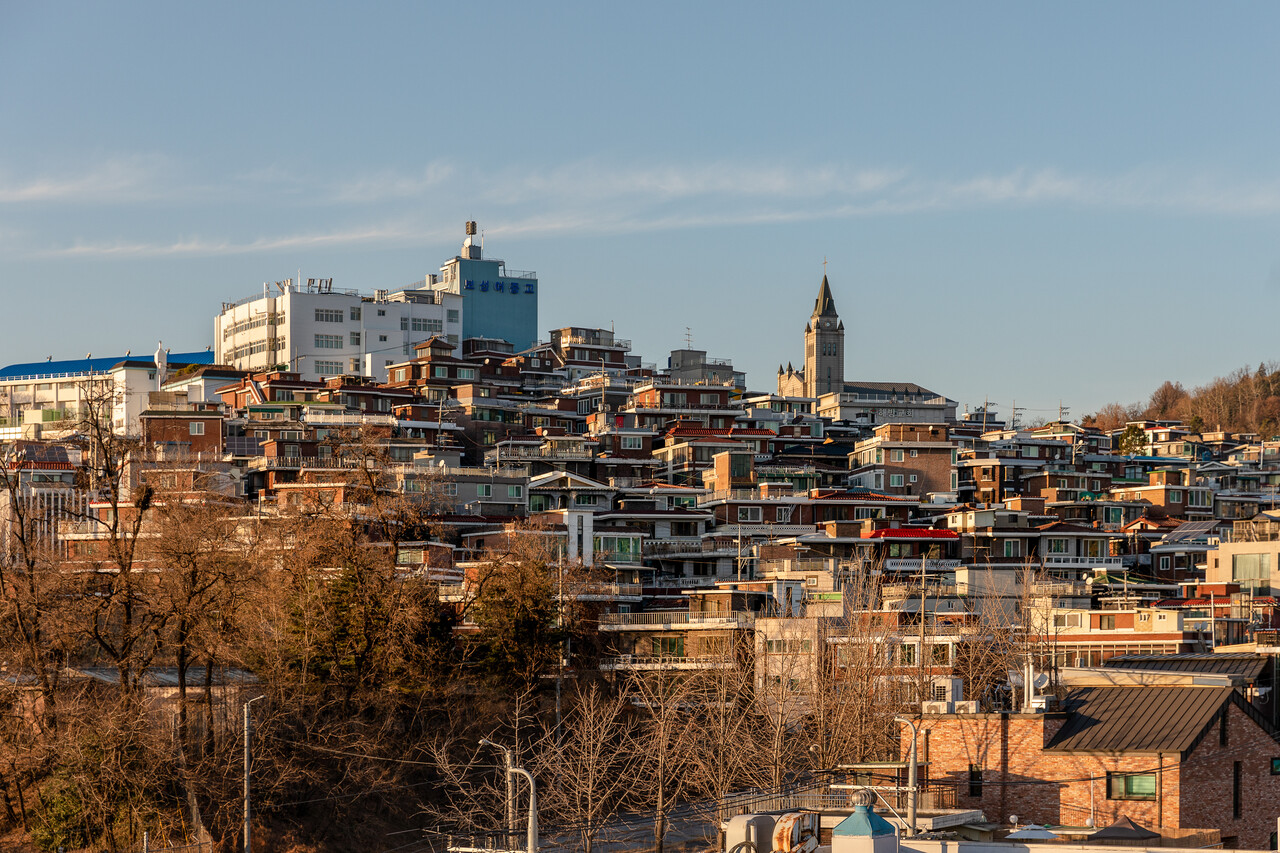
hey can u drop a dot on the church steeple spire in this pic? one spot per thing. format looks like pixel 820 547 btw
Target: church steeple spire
pixel 824 346
pixel 824 306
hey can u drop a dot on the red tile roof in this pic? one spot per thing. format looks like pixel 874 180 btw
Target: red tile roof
pixel 910 533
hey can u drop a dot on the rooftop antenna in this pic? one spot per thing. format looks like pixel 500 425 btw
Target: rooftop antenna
pixel 688 338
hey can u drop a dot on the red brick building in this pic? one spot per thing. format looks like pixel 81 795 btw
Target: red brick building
pixel 1171 758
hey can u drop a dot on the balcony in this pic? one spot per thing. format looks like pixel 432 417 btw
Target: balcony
pixel 914 564
pixel 1061 588
pixel 675 545
pixel 892 591
pixel 608 592
pixel 258 463
pixel 665 620
pixel 648 662
pixel 1064 562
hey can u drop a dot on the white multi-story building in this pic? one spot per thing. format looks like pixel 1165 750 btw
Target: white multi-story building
pixel 320 332
pixel 45 399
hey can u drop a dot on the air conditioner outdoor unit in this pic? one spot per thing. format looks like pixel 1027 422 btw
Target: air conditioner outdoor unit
pixel 969 707
pixel 936 707
pixel 1047 702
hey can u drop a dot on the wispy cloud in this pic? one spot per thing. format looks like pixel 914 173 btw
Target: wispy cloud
pixel 117 181
pixel 593 196
pixel 385 234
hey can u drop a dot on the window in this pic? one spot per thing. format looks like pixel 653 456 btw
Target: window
pixel 668 647
pixel 632 442
pixel 484 490
pixel 1013 548
pixel 440 372
pixel 895 456
pixel 975 780
pixel 328 341
pixel 1131 786
pixel 1066 620
pixel 1251 570
pixel 466 373
pixel 424 324
pixel 382 338
pixel 895 480
pixel 1236 810
pixel 355 339
pixel 382 312
pixel 1175 496
pixel 328 368
pixel 912 478
pixel 1031 452
pixel 915 453
pixel 355 313
pixel 453 315
pixel 196 427
pixel 324 315
pixel 1107 622
pixel 907 655
pixel 515 491
pixel 584 500
pixel 1057 546
pixel 879 456
pixel 748 515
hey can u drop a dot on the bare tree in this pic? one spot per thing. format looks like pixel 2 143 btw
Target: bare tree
pixel 591 766
pixel 667 729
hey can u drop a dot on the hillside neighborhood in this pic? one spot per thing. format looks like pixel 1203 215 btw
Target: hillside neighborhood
pixel 412 518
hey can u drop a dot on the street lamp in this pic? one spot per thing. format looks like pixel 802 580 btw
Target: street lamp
pixel 533 795
pixel 246 771
pixel 511 792
pixel 912 787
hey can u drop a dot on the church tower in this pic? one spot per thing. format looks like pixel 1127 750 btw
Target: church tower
pixel 824 347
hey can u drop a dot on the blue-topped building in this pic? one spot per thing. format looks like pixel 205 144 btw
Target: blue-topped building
pixel 497 302
pixel 46 396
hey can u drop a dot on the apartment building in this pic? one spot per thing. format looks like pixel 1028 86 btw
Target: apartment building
pixel 905 459
pixel 319 332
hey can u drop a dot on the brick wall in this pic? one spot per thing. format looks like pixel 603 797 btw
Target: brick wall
pixel 1197 794
pixel 1020 778
pixel 1208 782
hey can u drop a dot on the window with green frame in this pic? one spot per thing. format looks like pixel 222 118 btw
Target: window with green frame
pixel 1131 786
pixel 668 647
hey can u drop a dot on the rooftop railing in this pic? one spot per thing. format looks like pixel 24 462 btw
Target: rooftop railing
pixel 677 617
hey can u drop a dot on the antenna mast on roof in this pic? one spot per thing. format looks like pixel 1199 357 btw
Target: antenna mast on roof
pixel 688 338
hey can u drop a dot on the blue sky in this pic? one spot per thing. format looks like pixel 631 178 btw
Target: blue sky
pixel 1027 202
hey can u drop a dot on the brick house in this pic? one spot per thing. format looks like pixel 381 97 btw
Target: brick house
pixel 905 459
pixel 1172 758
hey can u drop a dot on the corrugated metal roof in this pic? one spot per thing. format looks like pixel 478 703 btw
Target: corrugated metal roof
pixel 1245 665
pixel 79 366
pixel 1138 719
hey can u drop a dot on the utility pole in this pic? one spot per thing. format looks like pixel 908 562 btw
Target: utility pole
pixel 247 832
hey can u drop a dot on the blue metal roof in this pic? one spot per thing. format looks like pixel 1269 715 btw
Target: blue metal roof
pixel 82 366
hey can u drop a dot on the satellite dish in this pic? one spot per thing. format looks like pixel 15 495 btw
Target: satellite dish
pixel 1015 678
pixel 1040 681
